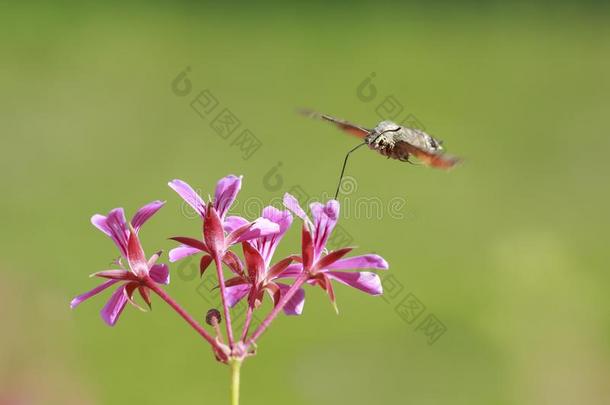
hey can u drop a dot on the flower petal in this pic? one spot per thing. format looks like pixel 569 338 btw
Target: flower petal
pixel 325 218
pixel 145 213
pixel 226 192
pixel 369 261
pixel 83 297
pixel 234 222
pixel 117 225
pixel 189 195
pixel 266 245
pixel 236 293
pixel 99 221
pixel 181 252
pixel 159 273
pixel 295 305
pixel 260 227
pixel 115 305
pixel 365 281
pixel 293 205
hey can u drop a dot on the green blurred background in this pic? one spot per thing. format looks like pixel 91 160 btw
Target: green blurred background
pixel 508 251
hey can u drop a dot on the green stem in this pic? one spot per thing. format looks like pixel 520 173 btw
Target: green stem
pixel 235 368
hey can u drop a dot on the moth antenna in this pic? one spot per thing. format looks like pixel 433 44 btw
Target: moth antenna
pixel 343 168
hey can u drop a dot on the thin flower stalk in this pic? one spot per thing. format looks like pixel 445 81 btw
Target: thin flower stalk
pixel 277 309
pixel 218 348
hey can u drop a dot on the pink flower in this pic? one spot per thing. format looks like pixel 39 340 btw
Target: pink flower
pixel 261 276
pixel 220 231
pixel 324 267
pixel 140 270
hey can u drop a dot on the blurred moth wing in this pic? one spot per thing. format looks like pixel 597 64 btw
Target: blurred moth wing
pixel 437 160
pixel 352 129
pixel 428 150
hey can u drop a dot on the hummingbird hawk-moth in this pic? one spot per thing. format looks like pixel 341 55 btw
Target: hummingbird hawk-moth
pixel 393 141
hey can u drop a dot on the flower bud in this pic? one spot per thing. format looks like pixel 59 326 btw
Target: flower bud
pixel 213 317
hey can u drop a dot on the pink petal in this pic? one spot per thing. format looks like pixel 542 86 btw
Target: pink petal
pixel 189 195
pixel 115 305
pixel 236 293
pixel 117 226
pixel 293 205
pixel 234 222
pixel 83 297
pixel 281 217
pixel 226 192
pixel 325 218
pixel 256 229
pixel 145 213
pixel 266 245
pixel 159 273
pixel 330 210
pixel 295 305
pixel 360 262
pixel 99 221
pixel 365 281
pixel 181 252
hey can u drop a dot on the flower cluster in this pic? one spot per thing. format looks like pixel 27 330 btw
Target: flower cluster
pixel 245 250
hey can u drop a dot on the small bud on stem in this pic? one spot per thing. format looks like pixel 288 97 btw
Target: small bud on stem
pixel 213 318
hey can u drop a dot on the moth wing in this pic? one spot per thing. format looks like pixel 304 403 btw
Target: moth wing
pixel 346 126
pixel 438 160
